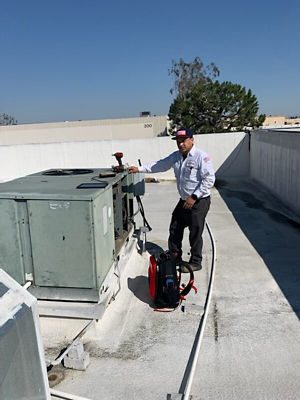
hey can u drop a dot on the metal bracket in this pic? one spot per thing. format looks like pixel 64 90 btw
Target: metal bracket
pixel 144 230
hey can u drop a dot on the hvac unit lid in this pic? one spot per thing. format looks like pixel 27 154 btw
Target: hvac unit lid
pixel 59 184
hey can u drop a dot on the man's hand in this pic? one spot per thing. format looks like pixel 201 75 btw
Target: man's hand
pixel 189 203
pixel 133 169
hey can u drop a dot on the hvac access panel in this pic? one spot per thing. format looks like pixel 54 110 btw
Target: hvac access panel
pixel 62 243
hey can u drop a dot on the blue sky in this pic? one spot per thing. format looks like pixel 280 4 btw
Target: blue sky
pixel 87 59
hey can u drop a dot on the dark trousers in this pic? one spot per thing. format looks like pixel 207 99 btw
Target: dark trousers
pixel 194 219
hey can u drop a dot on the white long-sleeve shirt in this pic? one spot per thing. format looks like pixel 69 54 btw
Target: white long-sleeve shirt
pixel 194 175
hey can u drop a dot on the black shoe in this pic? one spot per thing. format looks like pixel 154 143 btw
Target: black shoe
pixel 194 267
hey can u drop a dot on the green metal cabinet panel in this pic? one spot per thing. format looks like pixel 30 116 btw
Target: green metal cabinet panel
pixel 104 234
pixel 134 185
pixel 11 253
pixel 62 243
pixel 62 238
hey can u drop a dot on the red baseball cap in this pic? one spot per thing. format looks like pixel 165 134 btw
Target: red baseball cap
pixel 183 133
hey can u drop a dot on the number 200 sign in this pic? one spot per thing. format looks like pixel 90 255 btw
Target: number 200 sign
pixel 147 125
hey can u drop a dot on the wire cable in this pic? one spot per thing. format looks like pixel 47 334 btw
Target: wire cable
pixel 187 382
pixel 142 211
pixel 65 396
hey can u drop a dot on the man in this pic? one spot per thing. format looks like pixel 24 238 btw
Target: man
pixel 195 176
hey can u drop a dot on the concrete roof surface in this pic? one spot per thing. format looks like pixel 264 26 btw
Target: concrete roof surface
pixel 251 342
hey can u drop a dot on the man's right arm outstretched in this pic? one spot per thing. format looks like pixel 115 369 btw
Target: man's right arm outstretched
pixel 157 166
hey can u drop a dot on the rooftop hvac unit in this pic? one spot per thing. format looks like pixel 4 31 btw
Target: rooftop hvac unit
pixel 63 230
pixel 23 372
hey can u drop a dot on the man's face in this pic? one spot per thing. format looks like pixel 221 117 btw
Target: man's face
pixel 184 144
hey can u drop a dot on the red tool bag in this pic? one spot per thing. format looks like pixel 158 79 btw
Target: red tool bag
pixel 164 276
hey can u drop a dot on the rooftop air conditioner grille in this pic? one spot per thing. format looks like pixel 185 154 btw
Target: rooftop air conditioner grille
pixel 66 172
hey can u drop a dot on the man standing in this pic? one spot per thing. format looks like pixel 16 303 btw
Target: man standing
pixel 195 177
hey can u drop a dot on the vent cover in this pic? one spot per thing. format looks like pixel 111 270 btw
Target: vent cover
pixel 67 172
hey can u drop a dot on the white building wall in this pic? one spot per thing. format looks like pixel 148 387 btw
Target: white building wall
pixel 275 164
pixel 22 159
pixel 77 131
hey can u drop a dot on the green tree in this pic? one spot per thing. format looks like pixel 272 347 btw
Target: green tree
pixel 210 107
pixel 186 75
pixel 6 119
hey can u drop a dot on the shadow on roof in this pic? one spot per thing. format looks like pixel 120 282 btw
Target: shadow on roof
pixel 275 236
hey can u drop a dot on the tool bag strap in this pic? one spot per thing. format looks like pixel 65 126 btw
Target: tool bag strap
pixel 189 286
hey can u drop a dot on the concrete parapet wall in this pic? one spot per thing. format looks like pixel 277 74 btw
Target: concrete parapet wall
pixel 275 164
pixel 273 160
pixel 229 153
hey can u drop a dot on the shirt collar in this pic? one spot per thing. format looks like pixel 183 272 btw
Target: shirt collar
pixel 192 151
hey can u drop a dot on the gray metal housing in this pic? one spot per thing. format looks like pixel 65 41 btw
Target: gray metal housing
pixel 62 238
pixel 23 372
